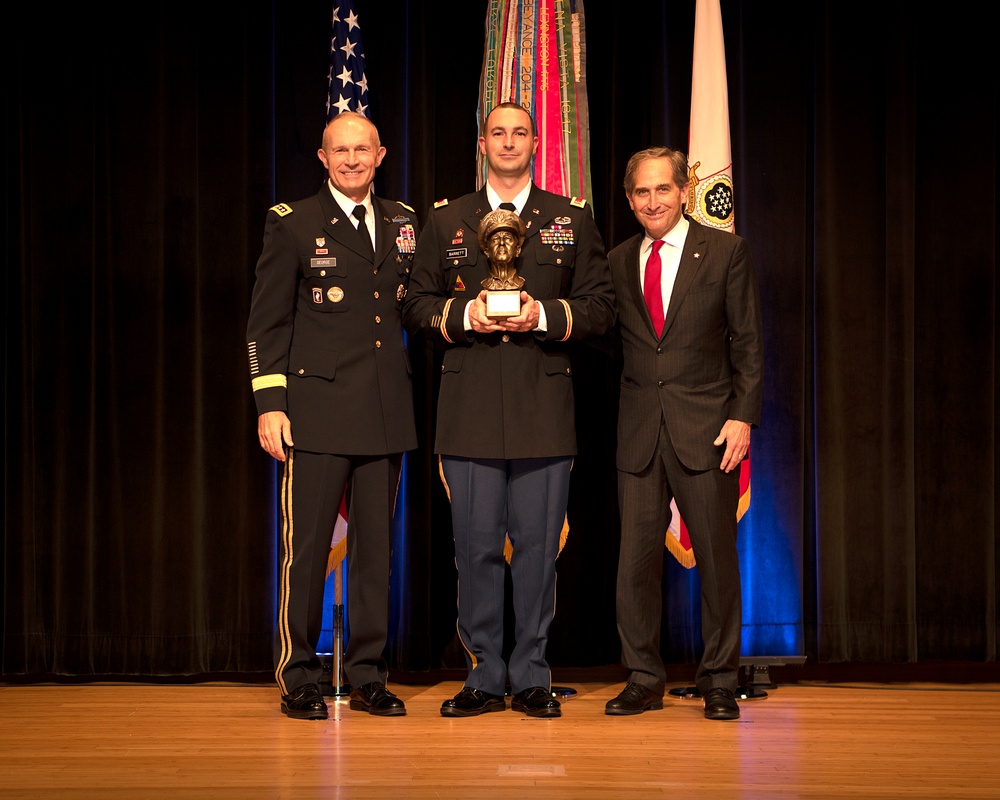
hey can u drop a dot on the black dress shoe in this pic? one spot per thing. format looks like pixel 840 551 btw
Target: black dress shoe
pixel 536 702
pixel 634 699
pixel 377 700
pixel 721 704
pixel 470 702
pixel 306 702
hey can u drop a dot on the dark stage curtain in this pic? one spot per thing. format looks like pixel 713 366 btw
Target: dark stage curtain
pixel 138 517
pixel 142 155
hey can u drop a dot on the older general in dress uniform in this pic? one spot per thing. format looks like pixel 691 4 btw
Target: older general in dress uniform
pixel 331 380
pixel 505 420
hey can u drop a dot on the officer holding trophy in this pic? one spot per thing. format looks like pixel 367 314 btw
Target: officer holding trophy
pixel 505 422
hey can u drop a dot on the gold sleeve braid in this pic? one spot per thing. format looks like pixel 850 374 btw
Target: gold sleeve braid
pixel 444 320
pixel 569 319
pixel 269 382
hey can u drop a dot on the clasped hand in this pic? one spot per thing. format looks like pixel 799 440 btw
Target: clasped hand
pixel 526 320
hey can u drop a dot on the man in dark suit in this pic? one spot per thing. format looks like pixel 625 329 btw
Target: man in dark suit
pixel 329 367
pixel 689 317
pixel 505 427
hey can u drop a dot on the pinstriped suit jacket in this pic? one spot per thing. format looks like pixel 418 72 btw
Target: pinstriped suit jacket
pixel 707 365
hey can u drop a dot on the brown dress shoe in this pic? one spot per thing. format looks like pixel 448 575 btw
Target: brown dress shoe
pixel 721 704
pixel 377 700
pixel 634 699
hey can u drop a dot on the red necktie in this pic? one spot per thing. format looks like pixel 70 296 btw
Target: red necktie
pixel 651 288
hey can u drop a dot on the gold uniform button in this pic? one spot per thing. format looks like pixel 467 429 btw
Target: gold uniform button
pixel 455 262
pixel 559 261
pixel 322 273
pixel 302 372
pixel 505 338
pixel 376 295
pixel 378 319
pixel 378 344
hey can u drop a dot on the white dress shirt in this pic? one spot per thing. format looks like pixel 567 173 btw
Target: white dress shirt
pixel 347 205
pixel 670 258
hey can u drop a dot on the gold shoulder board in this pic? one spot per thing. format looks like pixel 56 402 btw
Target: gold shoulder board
pixel 282 210
pixel 579 203
pixel 441 203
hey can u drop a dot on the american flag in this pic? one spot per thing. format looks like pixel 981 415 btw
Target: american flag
pixel 348 86
pixel 348 91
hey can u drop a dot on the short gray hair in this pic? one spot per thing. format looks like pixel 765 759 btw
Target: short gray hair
pixel 678 159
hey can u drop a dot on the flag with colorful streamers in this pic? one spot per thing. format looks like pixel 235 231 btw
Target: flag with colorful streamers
pixel 535 56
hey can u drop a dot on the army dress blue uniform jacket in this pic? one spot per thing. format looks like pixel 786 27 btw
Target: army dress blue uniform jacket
pixel 324 335
pixel 508 396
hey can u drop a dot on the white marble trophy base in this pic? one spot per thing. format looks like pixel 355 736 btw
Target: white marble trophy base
pixel 503 303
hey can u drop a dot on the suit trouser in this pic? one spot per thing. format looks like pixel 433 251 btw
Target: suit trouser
pixel 707 501
pixel 524 499
pixel 312 487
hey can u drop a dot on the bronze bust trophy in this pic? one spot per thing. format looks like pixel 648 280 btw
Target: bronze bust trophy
pixel 501 236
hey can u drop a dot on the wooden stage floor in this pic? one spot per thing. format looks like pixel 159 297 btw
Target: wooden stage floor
pixel 228 740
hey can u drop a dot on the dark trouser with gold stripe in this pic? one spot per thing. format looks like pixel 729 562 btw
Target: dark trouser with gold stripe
pixel 311 490
pixel 525 499
pixel 707 501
